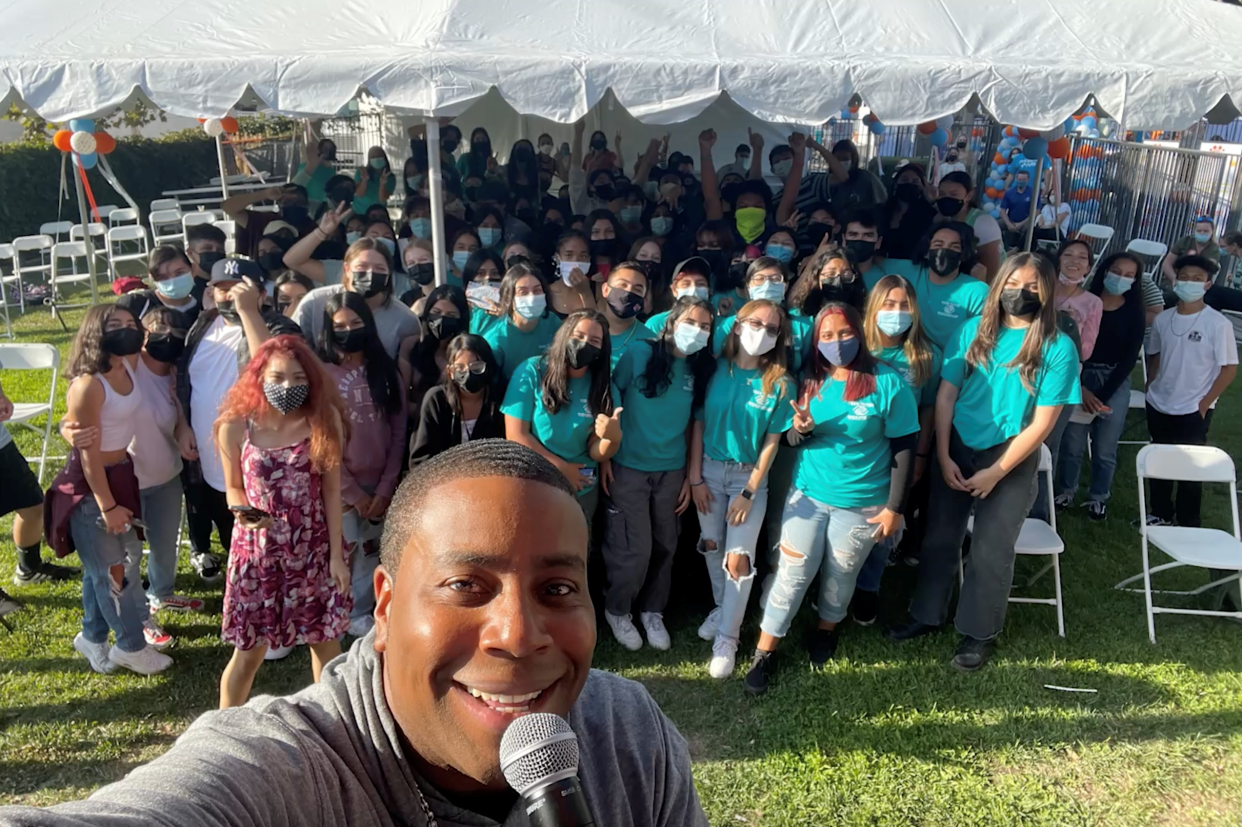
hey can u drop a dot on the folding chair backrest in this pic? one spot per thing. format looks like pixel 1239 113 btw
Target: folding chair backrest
pixel 125 215
pixel 76 234
pixel 56 227
pixel 29 357
pixel 193 219
pixel 31 243
pixel 1045 467
pixel 165 217
pixel 105 210
pixel 6 252
pixel 228 227
pixel 1192 463
pixel 1097 235
pixel 165 204
pixel 69 249
pixel 1146 247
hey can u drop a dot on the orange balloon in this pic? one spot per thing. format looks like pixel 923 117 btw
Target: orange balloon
pixel 1059 148
pixel 229 124
pixel 1000 159
pixel 202 120
pixel 61 139
pixel 854 110
pixel 104 143
pixel 1027 133
pixel 927 128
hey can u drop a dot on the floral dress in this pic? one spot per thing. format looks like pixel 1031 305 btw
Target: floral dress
pixel 280 590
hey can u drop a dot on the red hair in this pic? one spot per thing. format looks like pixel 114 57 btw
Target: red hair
pixel 325 412
pixel 861 382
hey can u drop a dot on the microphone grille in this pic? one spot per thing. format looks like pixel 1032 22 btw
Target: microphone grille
pixel 538 748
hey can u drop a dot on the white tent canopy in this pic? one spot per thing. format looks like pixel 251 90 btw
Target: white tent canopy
pixel 1152 64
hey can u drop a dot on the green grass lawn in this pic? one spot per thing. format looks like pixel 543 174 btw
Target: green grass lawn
pixel 886 735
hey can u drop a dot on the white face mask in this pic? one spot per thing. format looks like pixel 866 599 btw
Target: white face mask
pixel 756 342
pixel 849 165
pixel 567 268
pixel 689 338
pixel 545 149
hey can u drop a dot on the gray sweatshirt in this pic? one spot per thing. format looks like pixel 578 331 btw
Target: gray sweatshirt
pixel 330 755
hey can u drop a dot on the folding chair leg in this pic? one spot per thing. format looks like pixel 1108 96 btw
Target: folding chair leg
pixel 1056 578
pixel 47 435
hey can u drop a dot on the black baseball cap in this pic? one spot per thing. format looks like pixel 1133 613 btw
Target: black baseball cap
pixel 697 265
pixel 236 269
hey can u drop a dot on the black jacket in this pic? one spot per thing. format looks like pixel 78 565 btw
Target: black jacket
pixel 439 426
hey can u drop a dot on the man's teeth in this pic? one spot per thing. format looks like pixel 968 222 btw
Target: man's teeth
pixel 508 700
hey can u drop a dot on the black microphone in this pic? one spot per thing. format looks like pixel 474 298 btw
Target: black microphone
pixel 539 757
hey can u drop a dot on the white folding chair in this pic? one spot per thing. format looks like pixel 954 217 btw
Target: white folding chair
pixel 138 249
pixel 1138 401
pixel 165 204
pixel 1207 548
pixel 1152 253
pixel 229 228
pixel 34 357
pixel 26 267
pixel 1098 236
pixel 166 227
pixel 1037 538
pixel 123 216
pixel 7 254
pixel 98 230
pixel 72 251
pixel 56 229
pixel 195 219
pixel 105 210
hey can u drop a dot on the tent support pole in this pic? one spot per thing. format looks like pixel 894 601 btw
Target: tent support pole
pixel 1034 214
pixel 92 266
pixel 224 178
pixel 436 194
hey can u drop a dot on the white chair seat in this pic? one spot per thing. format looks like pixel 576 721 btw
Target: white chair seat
pixel 26 411
pixel 1207 548
pixel 1138 400
pixel 1037 537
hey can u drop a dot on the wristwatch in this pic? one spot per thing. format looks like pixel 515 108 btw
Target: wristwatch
pixel 747 494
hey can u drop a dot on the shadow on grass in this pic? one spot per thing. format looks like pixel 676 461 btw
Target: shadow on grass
pixel 25 777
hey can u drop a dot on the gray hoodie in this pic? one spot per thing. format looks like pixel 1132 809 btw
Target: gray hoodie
pixel 331 755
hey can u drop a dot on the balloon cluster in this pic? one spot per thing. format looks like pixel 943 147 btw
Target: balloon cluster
pixel 215 127
pixel 84 142
pixel 1086 124
pixel 1086 176
pixel 1031 145
pixel 873 124
pixel 937 131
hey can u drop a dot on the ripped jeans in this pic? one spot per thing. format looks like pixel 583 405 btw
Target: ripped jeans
pixel 725 480
pixel 819 538
pixel 112 597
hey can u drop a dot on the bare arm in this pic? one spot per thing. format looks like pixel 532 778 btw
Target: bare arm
pixel 789 196
pixel 836 172
pixel 518 430
pixel 946 401
pixel 767 454
pixel 1167 268
pixel 235 207
pixel 1153 370
pixel 756 154
pixel 85 401
pixel 694 467
pixel 712 205
pixel 1223 379
pixel 246 299
pixel 229 439
pixel 647 162
pixel 298 258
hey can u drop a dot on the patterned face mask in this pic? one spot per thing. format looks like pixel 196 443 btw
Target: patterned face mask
pixel 286 398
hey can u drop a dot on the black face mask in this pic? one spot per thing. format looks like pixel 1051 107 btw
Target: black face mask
pixel 272 261
pixel 295 214
pixel 449 145
pixel 581 353
pixel 444 328
pixel 599 144
pixel 471 382
pixel 603 247
pixel 624 304
pixel 1017 302
pixel 208 260
pixel 735 277
pixel 165 347
pixel 909 192
pixel 717 259
pixel 370 285
pixel 859 251
pixel 944 261
pixel 815 232
pixel 423 273
pixel 350 341
pixel 483 148
pixel 851 292
pixel 228 312
pixel 949 207
pixel 124 341
pixel 341 195
pixel 605 192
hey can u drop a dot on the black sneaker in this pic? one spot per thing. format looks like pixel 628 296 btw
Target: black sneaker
pixel 864 607
pixel 1097 511
pixel 909 629
pixel 972 654
pixel 824 646
pixel 759 674
pixel 207 566
pixel 45 572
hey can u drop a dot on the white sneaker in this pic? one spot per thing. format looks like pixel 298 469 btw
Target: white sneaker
pixel 277 653
pixel 96 654
pixel 359 626
pixel 724 658
pixel 708 630
pixel 146 661
pixel 623 630
pixel 175 603
pixel 657 635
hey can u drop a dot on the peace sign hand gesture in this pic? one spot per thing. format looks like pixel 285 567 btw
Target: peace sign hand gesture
pixel 332 219
pixel 609 427
pixel 803 422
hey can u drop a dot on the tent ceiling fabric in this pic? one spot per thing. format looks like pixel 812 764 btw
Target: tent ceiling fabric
pixel 1155 64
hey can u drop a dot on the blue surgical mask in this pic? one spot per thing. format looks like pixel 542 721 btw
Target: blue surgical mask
pixel 177 287
pixel 490 236
pixel 1021 185
pixel 699 293
pixel 662 225
pixel 413 183
pixel 460 257
pixel 630 214
pixel 350 238
pixel 1190 291
pixel 689 338
pixel 378 163
pixel 1117 285
pixel 420 227
pixel 841 352
pixel 893 322
pixel 1203 238
pixel 530 307
pixel 779 252
pixel 772 291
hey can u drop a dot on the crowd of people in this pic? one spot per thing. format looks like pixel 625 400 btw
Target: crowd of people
pixel 831 376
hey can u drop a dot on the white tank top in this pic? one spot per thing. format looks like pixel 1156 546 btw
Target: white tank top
pixel 157 459
pixel 118 420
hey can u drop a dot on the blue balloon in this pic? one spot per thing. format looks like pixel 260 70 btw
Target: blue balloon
pixel 995 213
pixel 1035 148
pixel 85 161
pixel 845 113
pixel 1090 122
pixel 1002 168
pixel 82 125
pixel 877 128
pixel 1069 124
pixel 939 138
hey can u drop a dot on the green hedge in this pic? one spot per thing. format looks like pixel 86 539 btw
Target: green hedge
pixel 30 177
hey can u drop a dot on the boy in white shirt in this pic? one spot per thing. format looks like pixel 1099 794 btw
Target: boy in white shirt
pixel 1195 359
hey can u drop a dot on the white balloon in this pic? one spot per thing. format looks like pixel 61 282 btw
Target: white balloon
pixel 213 127
pixel 945 123
pixel 82 143
pixel 1053 134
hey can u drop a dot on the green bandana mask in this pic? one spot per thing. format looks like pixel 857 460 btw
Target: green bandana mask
pixel 751 222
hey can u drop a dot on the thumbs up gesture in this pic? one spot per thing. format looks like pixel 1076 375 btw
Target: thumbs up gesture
pixel 609 427
pixel 803 422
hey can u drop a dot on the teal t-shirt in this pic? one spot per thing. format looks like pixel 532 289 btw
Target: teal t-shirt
pixel 655 323
pixel 737 415
pixel 315 182
pixel 799 325
pixel 638 332
pixel 846 462
pixel 567 432
pixel 896 359
pixel 992 403
pixel 372 195
pixel 942 307
pixel 876 272
pixel 730 309
pixel 511 345
pixel 654 428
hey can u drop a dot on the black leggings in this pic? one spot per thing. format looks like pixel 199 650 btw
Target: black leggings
pixel 204 506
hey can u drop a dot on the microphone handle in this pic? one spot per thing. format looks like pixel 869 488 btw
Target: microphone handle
pixel 559 804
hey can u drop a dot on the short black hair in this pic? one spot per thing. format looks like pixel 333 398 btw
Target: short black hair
pixel 1202 262
pixel 474 460
pixel 205 232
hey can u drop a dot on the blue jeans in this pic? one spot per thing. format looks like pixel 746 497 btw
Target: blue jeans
pixel 362 536
pixel 1039 509
pixel 112 595
pixel 161 511
pixel 877 561
pixel 725 480
pixel 816 537
pixel 1105 432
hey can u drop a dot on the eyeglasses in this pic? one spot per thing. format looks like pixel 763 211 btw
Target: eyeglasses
pixel 477 368
pixel 770 278
pixel 755 324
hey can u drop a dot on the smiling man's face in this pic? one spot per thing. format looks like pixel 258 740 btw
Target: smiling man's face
pixel 488 618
